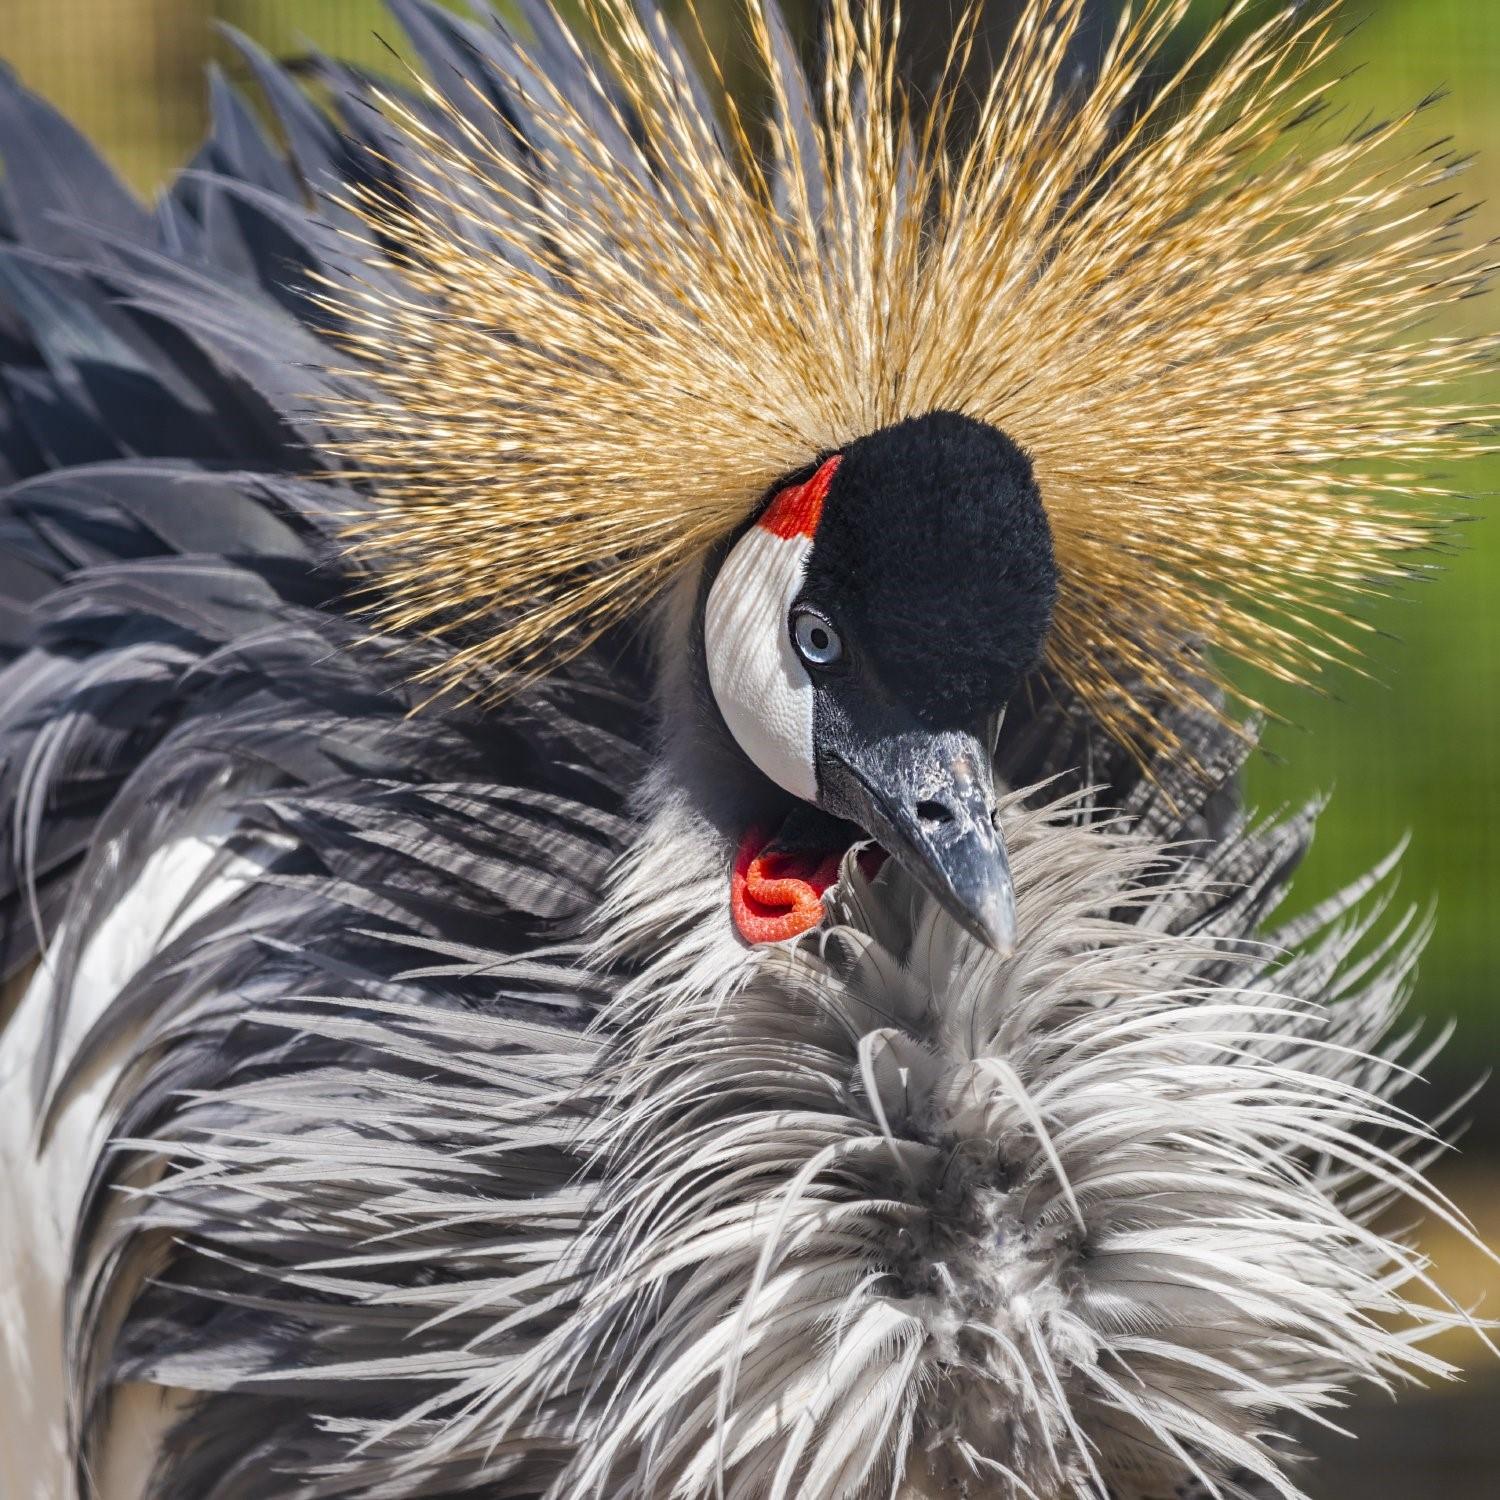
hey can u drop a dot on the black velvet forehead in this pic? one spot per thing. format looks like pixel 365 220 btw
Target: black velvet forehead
pixel 934 558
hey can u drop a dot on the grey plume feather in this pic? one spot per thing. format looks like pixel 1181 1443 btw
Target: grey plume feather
pixel 896 1217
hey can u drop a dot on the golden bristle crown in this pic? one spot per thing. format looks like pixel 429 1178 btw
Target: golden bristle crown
pixel 1211 314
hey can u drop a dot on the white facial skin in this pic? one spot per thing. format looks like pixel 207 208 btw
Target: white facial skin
pixel 758 680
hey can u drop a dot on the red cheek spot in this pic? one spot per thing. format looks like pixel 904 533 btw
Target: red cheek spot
pixel 798 508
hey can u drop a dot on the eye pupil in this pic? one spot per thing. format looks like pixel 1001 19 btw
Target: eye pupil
pixel 816 640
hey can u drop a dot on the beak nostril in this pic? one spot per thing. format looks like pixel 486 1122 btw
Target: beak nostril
pixel 934 814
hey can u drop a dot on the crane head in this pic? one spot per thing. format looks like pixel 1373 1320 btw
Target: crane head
pixel 863 636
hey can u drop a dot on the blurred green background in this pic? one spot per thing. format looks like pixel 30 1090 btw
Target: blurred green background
pixel 1412 752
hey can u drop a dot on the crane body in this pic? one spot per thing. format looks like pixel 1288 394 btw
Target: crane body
pixel 621 849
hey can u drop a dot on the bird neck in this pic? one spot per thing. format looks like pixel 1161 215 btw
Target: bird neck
pixel 696 750
pixel 666 920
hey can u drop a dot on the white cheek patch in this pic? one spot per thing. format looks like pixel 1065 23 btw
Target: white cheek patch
pixel 757 678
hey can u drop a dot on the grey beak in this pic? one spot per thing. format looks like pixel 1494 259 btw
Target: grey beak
pixel 929 798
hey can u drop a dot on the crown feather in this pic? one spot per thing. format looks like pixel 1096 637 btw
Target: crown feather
pixel 1213 320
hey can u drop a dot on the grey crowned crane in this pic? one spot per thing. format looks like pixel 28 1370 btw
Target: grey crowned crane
pixel 620 818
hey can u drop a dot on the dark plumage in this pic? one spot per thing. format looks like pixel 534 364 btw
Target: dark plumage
pixel 907 503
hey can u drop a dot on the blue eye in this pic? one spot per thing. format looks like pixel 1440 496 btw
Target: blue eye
pixel 816 640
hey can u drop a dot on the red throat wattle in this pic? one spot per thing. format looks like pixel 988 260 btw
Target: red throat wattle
pixel 777 893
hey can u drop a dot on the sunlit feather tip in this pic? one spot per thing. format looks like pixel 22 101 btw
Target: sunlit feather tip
pixel 1212 315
